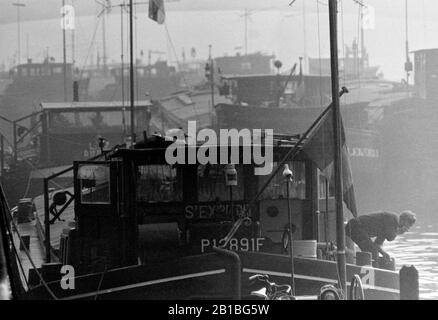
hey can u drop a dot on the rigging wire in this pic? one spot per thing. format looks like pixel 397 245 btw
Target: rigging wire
pixel 319 53
pixel 343 53
pixel 306 61
pixel 89 51
pixel 169 38
pixel 90 48
pixel 343 47
pixel 359 39
pixel 58 138
pixel 135 51
pixel 122 67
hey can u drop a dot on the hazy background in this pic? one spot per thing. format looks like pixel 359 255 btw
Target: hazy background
pixel 273 27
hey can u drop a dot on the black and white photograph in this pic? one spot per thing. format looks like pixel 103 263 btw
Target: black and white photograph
pixel 232 152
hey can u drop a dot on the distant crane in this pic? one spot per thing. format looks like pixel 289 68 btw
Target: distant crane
pixel 364 55
pixel 106 7
pixel 247 16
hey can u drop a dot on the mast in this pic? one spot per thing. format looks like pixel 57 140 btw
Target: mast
pixel 362 42
pixel 122 60
pixel 246 31
pixel 305 34
pixel 340 233
pixel 104 41
pixel 18 5
pixel 408 64
pixel 212 66
pixel 64 53
pixel 246 14
pixel 131 70
pixel 73 49
pixel 27 47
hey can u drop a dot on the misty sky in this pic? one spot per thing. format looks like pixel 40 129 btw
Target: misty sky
pixel 279 30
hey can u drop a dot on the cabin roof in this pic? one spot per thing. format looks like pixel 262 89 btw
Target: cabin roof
pixel 86 105
pixel 190 105
pixel 161 146
pixel 432 50
pixel 267 76
pixel 42 64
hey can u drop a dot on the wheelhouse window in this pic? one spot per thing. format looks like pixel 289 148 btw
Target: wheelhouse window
pixel 323 185
pixel 212 187
pixel 94 182
pixel 159 183
pixel 277 188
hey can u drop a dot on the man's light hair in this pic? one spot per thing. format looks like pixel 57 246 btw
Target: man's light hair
pixel 408 216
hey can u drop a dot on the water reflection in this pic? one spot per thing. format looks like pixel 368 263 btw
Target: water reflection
pixel 419 248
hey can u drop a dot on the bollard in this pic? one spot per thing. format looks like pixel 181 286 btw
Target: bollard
pixel 235 268
pixel 409 285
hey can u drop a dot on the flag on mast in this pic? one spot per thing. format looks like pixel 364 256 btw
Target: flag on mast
pixel 156 11
pixel 319 148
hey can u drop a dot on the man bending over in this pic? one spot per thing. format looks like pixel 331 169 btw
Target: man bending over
pixel 381 226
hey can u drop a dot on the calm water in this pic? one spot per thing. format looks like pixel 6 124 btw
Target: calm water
pixel 419 248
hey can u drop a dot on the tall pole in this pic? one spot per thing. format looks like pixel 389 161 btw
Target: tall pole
pixel 305 32
pixel 14 126
pixel 340 232
pixel 64 52
pixel 407 67
pixel 18 5
pixel 2 157
pixel 27 47
pixel 104 42
pixel 131 71
pixel 326 220
pixel 46 220
pixel 246 31
pixel 73 55
pixel 291 243
pixel 211 77
pixel 122 60
pixel 362 41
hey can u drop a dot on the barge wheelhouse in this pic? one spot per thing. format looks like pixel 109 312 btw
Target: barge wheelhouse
pixel 135 227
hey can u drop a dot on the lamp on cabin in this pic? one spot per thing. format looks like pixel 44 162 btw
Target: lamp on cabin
pixel 102 144
pixel 288 175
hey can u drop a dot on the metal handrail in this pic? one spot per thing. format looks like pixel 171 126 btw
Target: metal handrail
pixel 47 220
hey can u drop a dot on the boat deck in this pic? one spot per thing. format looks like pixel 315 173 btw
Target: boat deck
pixel 35 231
pixel 35 249
pixel 59 225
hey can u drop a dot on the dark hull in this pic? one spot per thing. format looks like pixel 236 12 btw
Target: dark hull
pixel 208 277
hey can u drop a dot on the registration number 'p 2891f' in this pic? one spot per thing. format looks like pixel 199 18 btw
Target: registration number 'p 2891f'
pixel 242 244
